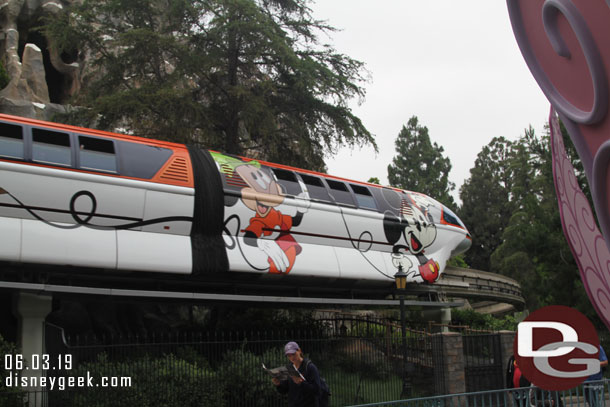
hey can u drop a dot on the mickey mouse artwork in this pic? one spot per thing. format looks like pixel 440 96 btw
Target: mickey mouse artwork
pixel 410 234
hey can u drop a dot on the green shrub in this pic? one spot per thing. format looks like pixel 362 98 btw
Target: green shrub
pixel 354 387
pixel 9 396
pixel 477 320
pixel 274 357
pixel 244 381
pixel 164 381
pixel 458 261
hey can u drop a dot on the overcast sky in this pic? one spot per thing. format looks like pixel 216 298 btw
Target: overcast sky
pixel 453 64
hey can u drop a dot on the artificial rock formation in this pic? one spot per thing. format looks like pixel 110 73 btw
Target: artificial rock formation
pixel 40 80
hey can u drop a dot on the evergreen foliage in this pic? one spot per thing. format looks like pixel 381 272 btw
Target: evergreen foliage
pixel 242 76
pixel 419 164
pixel 510 208
pixel 534 250
pixel 486 207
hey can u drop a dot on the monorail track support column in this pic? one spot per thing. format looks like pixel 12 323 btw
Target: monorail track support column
pixel 445 318
pixel 31 311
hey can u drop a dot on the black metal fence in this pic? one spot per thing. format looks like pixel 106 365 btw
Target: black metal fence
pixel 483 362
pixel 362 360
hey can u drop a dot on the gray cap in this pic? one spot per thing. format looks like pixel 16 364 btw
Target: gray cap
pixel 291 347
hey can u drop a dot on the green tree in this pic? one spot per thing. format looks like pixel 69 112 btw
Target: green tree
pixel 419 164
pixel 534 250
pixel 486 208
pixel 458 261
pixel 243 76
pixel 374 180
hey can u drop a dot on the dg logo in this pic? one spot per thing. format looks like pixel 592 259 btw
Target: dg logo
pixel 556 348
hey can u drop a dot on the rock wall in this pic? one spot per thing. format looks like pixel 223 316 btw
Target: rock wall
pixel 41 81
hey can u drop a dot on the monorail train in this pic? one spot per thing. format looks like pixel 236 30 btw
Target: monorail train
pixel 91 199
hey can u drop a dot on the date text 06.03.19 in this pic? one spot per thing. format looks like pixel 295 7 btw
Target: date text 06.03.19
pixel 43 361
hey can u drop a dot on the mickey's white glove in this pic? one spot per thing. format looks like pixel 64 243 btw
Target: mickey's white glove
pixel 401 259
pixel 275 253
pixel 303 202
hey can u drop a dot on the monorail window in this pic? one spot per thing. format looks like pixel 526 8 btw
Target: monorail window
pixel 340 192
pixel 288 181
pixel 141 160
pixel 11 141
pixel 97 154
pixel 316 188
pixel 51 147
pixel 451 218
pixel 363 196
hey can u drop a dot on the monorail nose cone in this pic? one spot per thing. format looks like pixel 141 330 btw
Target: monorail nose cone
pixel 463 246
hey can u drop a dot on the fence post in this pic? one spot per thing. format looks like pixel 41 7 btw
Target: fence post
pixel 449 376
pixel 506 345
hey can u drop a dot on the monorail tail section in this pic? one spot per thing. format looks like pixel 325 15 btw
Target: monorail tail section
pixel 73 197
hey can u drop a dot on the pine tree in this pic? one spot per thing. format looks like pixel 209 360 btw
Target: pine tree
pixel 486 208
pixel 419 165
pixel 242 76
pixel 534 250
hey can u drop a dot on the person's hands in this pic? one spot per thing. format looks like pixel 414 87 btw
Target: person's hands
pixel 275 381
pixel 297 380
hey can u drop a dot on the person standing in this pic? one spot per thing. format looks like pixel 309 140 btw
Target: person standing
pixel 593 387
pixel 516 380
pixel 302 390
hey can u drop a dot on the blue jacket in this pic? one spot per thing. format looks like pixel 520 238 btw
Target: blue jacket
pixel 602 357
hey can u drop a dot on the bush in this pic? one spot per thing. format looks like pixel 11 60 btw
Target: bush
pixel 245 381
pixel 164 381
pixel 6 348
pixel 476 320
pixel 9 396
pixel 458 261
pixel 362 357
pixel 354 387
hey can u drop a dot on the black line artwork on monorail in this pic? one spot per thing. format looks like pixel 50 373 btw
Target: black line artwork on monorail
pixel 83 218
